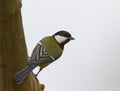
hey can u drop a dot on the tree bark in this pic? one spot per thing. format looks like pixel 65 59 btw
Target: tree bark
pixel 13 51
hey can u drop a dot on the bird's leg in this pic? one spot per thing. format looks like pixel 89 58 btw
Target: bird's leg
pixel 38 72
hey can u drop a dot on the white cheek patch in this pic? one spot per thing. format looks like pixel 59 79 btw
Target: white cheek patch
pixel 60 39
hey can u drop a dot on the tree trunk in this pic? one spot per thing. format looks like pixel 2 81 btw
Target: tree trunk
pixel 13 51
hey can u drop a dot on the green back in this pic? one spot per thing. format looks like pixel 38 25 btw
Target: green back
pixel 51 47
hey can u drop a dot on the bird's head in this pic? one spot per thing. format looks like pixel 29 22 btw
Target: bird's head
pixel 62 37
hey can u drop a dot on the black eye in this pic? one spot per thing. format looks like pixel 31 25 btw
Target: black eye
pixel 67 35
pixel 63 33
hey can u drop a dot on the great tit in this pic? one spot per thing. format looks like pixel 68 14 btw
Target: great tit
pixel 45 52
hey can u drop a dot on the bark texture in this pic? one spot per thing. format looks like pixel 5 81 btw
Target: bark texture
pixel 13 51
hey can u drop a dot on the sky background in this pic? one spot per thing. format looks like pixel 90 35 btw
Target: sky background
pixel 92 61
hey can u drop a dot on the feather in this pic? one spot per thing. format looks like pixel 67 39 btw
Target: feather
pixel 22 74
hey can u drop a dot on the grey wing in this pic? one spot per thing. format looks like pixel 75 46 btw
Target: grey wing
pixel 36 52
pixel 39 56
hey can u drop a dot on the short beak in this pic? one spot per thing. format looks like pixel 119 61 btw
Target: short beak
pixel 71 38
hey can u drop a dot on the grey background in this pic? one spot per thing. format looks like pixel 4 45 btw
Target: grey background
pixel 92 61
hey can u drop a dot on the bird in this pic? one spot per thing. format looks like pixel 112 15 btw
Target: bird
pixel 47 50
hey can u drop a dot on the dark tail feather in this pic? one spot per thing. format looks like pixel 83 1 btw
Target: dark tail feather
pixel 22 74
